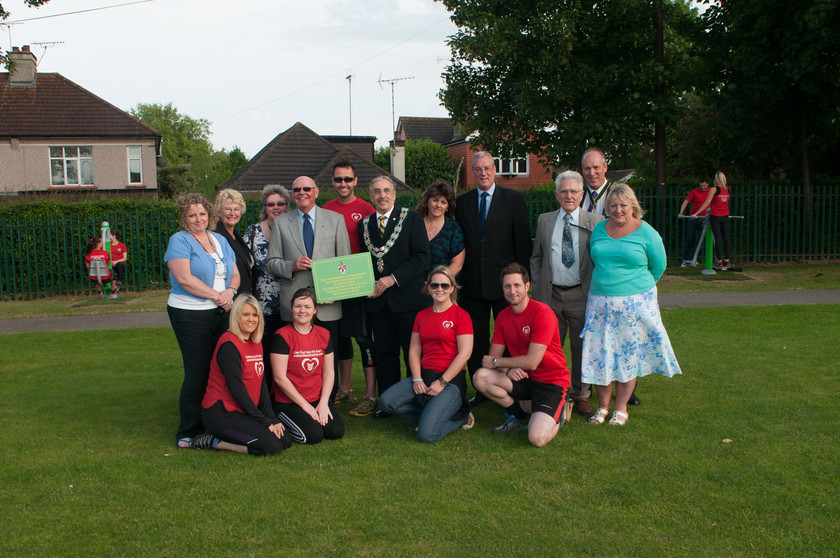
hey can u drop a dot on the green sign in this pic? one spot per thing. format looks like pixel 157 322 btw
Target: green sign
pixel 343 277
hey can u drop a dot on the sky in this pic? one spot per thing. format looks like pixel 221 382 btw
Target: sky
pixel 251 68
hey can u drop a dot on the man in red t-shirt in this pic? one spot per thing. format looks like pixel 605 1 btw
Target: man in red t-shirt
pixel 694 225
pixel 353 209
pixel 536 370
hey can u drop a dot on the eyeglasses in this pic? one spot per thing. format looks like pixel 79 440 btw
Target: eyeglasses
pixel 276 204
pixel 346 179
pixel 436 286
pixel 232 210
pixel 569 192
pixel 298 189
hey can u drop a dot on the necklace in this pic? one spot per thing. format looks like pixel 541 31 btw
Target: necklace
pixel 380 253
pixel 212 248
pixel 302 332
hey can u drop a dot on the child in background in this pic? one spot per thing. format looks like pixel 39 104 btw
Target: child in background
pixel 94 251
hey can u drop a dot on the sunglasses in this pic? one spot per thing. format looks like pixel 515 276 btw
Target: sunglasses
pixel 436 286
pixel 346 179
pixel 276 204
pixel 297 189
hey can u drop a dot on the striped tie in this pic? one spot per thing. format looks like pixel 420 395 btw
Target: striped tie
pixel 382 224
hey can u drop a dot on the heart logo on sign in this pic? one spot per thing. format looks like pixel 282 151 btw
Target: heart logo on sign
pixel 526 330
pixel 356 217
pixel 309 364
pixel 260 368
pixel 448 324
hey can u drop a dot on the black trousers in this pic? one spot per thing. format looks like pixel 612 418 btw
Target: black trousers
pixel 479 311
pixel 391 332
pixel 720 228
pixel 239 428
pixel 197 332
pixel 692 228
pixel 303 428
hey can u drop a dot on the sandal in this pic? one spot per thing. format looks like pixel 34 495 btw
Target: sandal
pixel 184 443
pixel 205 441
pixel 619 418
pixel 599 417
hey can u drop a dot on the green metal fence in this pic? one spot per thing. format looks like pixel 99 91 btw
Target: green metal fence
pixel 44 256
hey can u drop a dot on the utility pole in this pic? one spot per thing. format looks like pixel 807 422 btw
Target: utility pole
pixel 392 81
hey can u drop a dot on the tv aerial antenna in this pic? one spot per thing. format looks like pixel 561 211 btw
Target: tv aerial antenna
pixel 349 79
pixel 392 81
pixel 46 45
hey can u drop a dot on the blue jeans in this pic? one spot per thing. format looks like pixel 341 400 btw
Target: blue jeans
pixel 433 419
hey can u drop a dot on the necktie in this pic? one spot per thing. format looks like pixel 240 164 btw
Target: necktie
pixel 308 235
pixel 382 220
pixel 593 203
pixel 568 247
pixel 482 210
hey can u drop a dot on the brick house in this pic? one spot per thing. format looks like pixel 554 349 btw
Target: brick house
pixel 520 173
pixel 57 138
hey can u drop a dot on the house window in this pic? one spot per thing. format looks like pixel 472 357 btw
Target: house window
pixel 135 165
pixel 71 165
pixel 516 166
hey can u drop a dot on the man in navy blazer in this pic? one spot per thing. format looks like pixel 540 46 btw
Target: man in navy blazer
pixel 396 239
pixel 502 235
pixel 563 282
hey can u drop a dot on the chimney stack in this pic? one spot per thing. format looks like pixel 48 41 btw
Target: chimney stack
pixel 23 66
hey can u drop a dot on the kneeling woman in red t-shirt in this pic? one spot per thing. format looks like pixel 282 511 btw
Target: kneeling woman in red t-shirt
pixel 236 409
pixel 302 361
pixel 434 396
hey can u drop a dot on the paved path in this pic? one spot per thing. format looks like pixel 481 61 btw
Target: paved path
pixel 666 300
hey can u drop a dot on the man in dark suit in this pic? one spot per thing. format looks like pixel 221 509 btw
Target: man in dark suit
pixel 562 271
pixel 396 239
pixel 594 167
pixel 300 236
pixel 496 233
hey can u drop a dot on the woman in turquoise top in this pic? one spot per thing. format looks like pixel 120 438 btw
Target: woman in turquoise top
pixel 624 338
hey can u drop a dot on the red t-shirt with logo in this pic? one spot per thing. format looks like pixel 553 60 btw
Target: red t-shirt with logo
pixel 306 360
pixel 697 197
pixel 438 332
pixel 353 214
pixel 536 324
pixel 252 374
pixel 98 255
pixel 720 202
pixel 117 251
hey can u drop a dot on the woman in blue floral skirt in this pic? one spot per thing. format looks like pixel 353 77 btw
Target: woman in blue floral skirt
pixel 624 338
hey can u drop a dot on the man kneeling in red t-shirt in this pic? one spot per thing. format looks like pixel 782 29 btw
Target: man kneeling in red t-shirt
pixel 536 370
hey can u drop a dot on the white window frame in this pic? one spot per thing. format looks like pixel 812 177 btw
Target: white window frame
pixel 512 166
pixel 71 156
pixel 139 158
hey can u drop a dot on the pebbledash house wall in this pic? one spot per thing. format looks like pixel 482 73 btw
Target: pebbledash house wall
pixel 25 164
pixel 537 172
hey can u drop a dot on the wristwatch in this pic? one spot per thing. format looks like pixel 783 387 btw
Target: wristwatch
pixel 234 290
pixel 443 383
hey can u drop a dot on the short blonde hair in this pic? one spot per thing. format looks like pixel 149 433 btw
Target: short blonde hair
pixel 236 313
pixel 186 200
pixel 623 192
pixel 443 270
pixel 232 196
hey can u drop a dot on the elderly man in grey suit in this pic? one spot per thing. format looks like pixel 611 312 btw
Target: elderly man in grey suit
pixel 297 238
pixel 562 271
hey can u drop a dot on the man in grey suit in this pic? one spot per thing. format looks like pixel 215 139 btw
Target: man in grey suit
pixel 562 271
pixel 299 237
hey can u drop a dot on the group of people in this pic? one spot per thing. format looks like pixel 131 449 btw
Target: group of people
pixel 114 263
pixel 716 201
pixel 266 363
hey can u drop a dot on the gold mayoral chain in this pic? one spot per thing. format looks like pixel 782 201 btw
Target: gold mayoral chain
pixel 379 253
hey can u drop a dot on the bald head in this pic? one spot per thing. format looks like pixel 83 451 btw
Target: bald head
pixel 304 192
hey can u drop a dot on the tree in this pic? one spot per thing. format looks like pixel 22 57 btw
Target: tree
pixel 191 161
pixel 425 162
pixel 553 78
pixel 5 15
pixel 776 74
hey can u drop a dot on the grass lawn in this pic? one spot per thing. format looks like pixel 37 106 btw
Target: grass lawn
pixel 739 456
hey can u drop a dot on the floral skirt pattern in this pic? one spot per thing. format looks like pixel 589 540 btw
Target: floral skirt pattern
pixel 624 338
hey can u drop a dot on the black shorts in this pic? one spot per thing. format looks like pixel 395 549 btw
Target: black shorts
pixel 545 398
